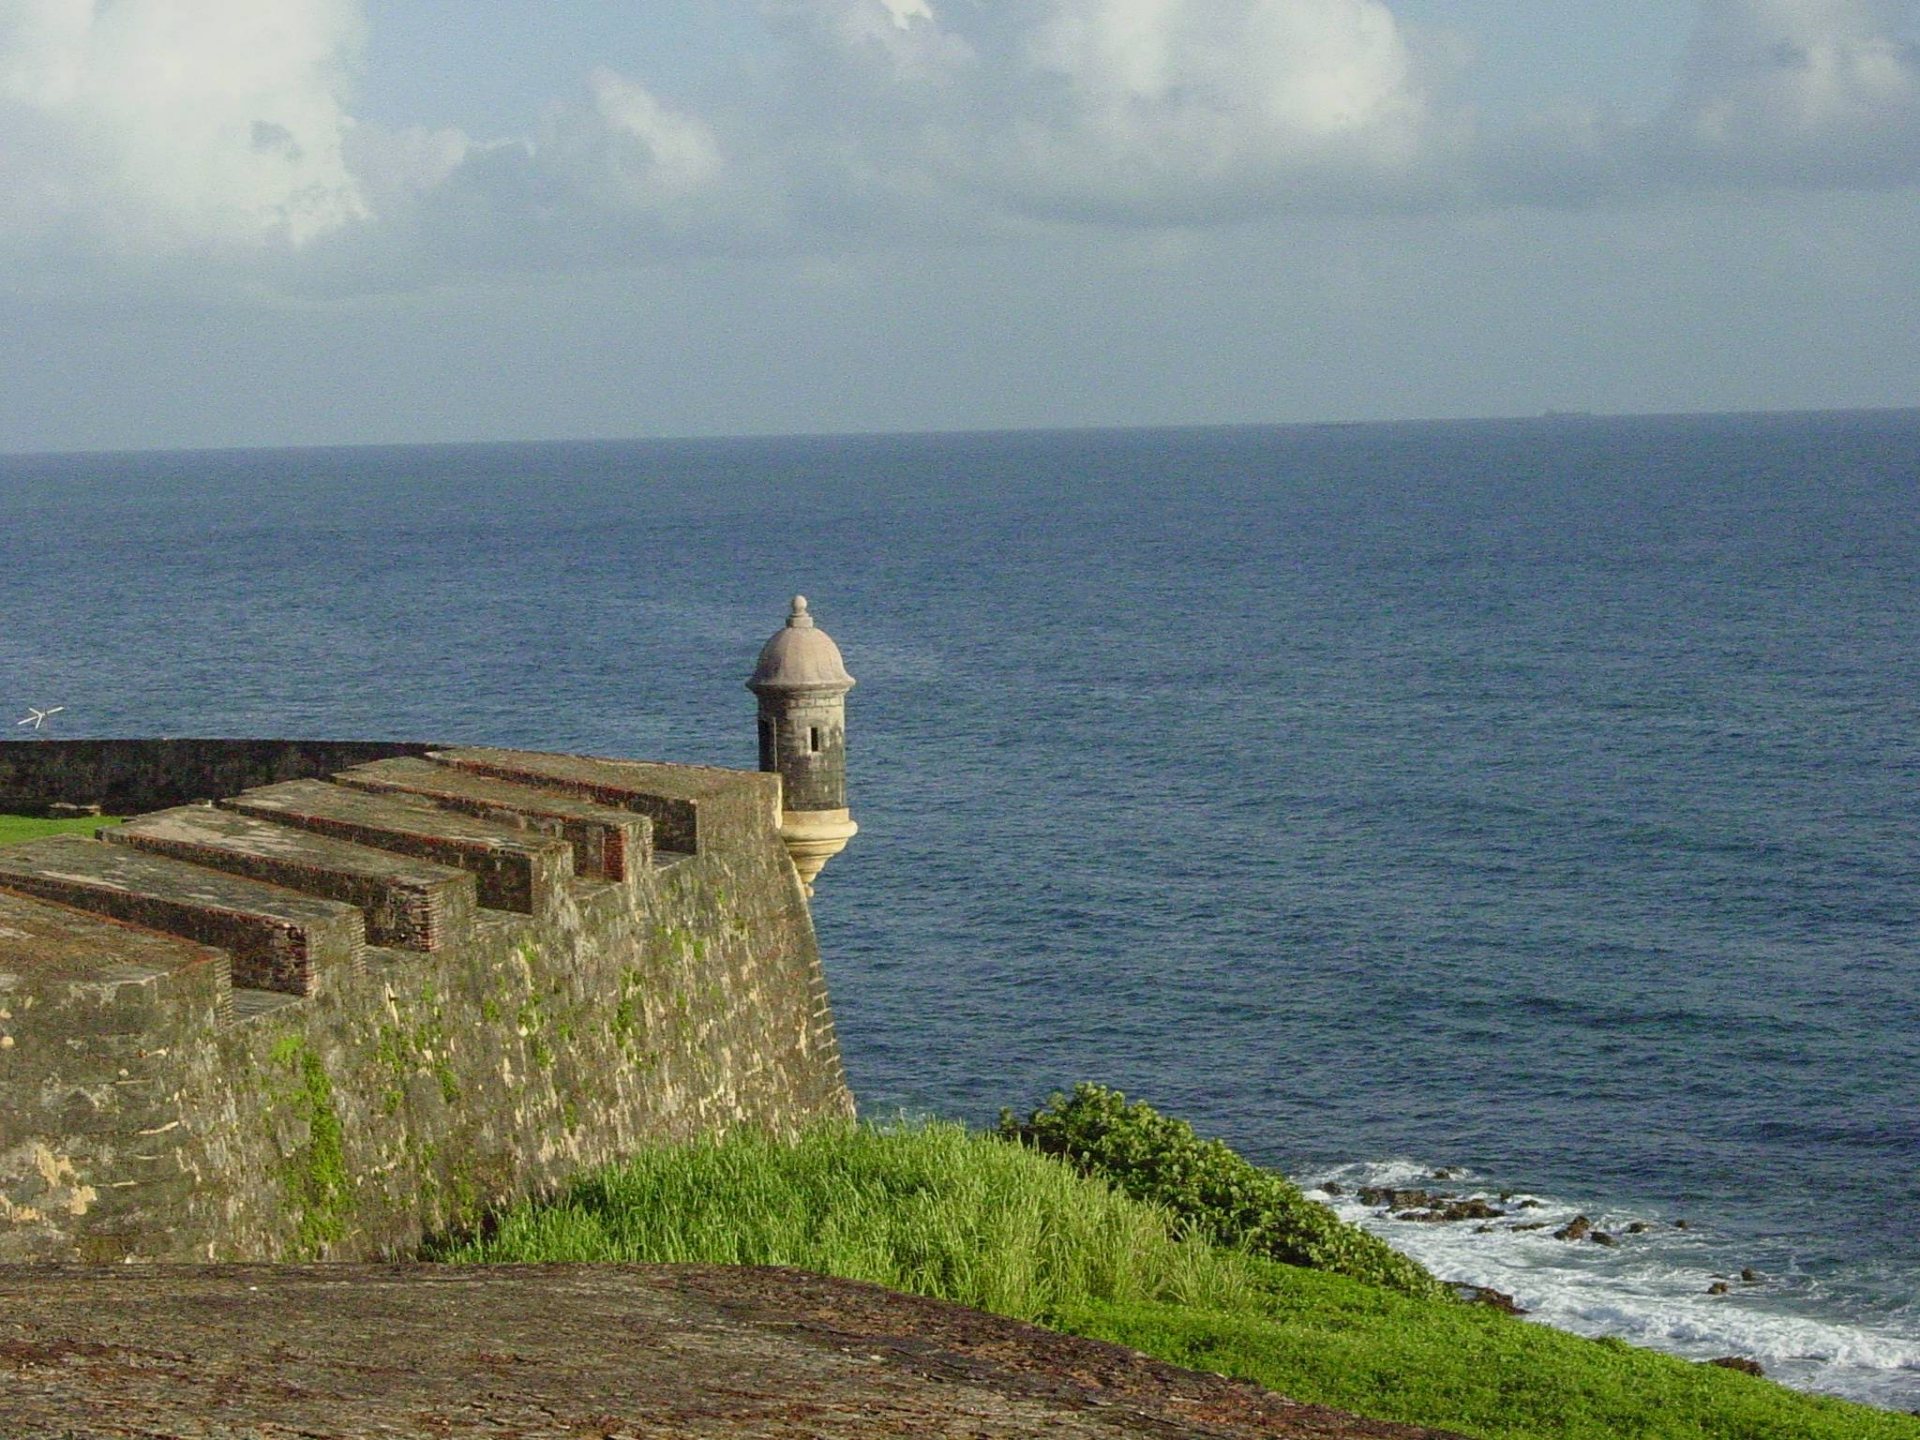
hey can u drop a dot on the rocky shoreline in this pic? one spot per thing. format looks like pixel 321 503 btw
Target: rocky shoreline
pixel 1506 1210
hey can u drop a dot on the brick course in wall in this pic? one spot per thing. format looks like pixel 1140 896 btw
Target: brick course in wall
pixel 326 1017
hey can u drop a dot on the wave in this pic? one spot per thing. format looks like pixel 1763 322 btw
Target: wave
pixel 1668 1283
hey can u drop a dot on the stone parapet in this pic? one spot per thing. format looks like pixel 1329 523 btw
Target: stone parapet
pixel 130 777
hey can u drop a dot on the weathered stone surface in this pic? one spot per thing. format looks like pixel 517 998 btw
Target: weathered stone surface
pixel 515 869
pixel 91 1013
pixel 151 1110
pixel 130 777
pixel 679 798
pixel 339 1352
pixel 279 939
pixel 607 843
pixel 412 904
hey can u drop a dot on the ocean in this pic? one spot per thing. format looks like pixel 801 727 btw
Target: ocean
pixel 1532 800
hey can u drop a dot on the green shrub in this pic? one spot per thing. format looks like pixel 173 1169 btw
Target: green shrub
pixel 1209 1187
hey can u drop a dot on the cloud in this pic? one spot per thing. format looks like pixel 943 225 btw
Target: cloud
pixel 905 12
pixel 1210 107
pixel 1802 92
pixel 159 126
pixel 136 131
pixel 1123 111
pixel 1795 94
pixel 610 176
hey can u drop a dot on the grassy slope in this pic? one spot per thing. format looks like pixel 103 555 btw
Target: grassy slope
pixel 20 827
pixel 967 1218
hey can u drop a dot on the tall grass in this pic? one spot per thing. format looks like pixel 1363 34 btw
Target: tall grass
pixel 941 1212
pixel 931 1209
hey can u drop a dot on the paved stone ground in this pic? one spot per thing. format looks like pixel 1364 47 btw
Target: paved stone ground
pixel 573 1352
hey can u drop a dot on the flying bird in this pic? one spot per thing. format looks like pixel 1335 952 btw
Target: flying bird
pixel 37 718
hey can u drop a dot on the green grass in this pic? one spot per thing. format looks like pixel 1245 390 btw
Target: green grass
pixel 14 828
pixel 1208 1187
pixel 933 1210
pixel 968 1218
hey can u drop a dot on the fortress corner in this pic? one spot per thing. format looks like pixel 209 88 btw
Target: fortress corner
pixel 374 992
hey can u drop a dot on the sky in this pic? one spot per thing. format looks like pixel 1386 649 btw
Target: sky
pixel 294 222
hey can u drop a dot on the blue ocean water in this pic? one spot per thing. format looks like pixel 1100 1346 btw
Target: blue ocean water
pixel 1534 799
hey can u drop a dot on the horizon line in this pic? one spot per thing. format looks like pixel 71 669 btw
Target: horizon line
pixel 1557 416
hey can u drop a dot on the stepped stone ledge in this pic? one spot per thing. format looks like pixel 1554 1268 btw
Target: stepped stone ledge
pixel 671 795
pixel 340 1010
pixel 278 939
pixel 408 903
pixel 516 869
pixel 612 844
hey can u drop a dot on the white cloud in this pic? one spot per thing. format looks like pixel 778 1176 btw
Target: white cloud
pixel 614 175
pixel 1799 94
pixel 627 148
pixel 905 12
pixel 1810 92
pixel 1210 106
pixel 1131 111
pixel 158 126
pixel 187 128
pixel 142 131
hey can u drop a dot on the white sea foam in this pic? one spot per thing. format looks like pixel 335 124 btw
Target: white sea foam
pixel 1650 1289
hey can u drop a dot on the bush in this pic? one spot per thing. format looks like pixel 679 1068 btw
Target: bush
pixel 1209 1187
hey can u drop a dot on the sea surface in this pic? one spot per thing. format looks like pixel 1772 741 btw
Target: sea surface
pixel 1533 799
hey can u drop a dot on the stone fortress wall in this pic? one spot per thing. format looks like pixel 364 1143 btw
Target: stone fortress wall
pixel 330 997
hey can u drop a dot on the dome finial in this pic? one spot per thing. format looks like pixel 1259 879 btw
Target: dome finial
pixel 800 619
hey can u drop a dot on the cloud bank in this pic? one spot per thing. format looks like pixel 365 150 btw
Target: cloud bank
pixel 156 130
pixel 1124 111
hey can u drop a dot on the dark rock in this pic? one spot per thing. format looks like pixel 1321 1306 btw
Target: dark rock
pixel 1718 1287
pixel 1578 1228
pixel 1638 1227
pixel 1388 1198
pixel 1472 1210
pixel 1738 1362
pixel 1334 1187
pixel 1750 1275
pixel 1445 1173
pixel 1601 1237
pixel 1445 1211
pixel 1529 1205
pixel 1679 1224
pixel 1530 1225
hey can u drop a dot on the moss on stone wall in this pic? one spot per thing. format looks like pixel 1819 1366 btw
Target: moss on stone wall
pixel 314 1175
